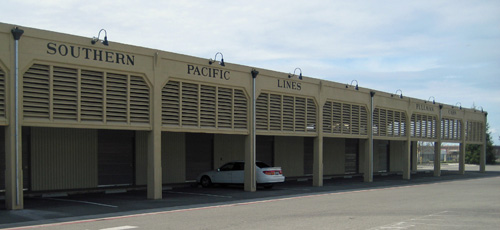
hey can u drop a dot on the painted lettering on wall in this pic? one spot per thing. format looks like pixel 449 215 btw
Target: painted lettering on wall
pixel 208 72
pixel 424 107
pixel 452 112
pixel 287 84
pixel 90 54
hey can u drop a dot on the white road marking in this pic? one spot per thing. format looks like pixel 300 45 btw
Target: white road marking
pixel 120 228
pixel 84 202
pixel 199 194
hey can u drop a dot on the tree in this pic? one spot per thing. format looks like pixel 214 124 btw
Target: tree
pixel 472 151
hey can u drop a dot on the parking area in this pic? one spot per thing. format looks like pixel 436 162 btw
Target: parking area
pixel 50 209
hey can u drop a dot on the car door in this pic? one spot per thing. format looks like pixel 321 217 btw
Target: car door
pixel 238 173
pixel 223 174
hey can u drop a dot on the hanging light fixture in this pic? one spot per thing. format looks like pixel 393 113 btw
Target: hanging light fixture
pixel 295 70
pixel 210 61
pixel 96 39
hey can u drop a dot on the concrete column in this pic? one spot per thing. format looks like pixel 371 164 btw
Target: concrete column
pixel 437 158
pixel 368 167
pixel 154 181
pixel 407 149
pixel 482 154
pixel 318 161
pixel 414 155
pixel 154 170
pixel 437 145
pixel 461 156
pixel 318 142
pixel 14 196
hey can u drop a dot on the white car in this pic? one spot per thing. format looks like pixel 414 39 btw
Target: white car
pixel 234 173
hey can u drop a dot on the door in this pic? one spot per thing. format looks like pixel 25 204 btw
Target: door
pixel 116 157
pixel 351 156
pixel 199 154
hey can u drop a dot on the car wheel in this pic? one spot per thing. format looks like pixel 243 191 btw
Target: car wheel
pixel 205 182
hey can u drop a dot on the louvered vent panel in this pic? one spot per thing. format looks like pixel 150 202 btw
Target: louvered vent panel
pixel 376 122
pixel 139 100
pixel 355 118
pixel 288 113
pixel 65 93
pixel 171 103
pixel 363 121
pixel 346 118
pixel 36 92
pixel 300 114
pixel 327 117
pixel 91 98
pixel 116 98
pixel 208 102
pixel 2 94
pixel 383 122
pixel 262 112
pixel 390 123
pixel 225 108
pixel 402 129
pixel 311 115
pixel 275 112
pixel 190 104
pixel 422 126
pixel 337 117
pixel 240 109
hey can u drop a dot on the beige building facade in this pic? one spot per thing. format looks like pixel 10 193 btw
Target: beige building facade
pixel 78 115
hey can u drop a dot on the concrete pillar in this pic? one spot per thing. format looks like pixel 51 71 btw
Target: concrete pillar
pixel 154 181
pixel 437 145
pixel 461 156
pixel 437 158
pixel 407 150
pixel 414 155
pixel 482 154
pixel 154 170
pixel 318 161
pixel 368 167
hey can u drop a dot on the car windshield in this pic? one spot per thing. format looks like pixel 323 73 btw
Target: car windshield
pixel 262 165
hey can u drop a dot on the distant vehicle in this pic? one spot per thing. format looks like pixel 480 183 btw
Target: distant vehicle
pixel 234 173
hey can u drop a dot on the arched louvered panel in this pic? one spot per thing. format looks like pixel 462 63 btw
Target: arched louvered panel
pixel 2 94
pixel 190 104
pixel 389 123
pixel 474 131
pixel 423 126
pixel 65 93
pixel 139 100
pixel 275 112
pixel 171 112
pixel 199 105
pixel 240 109
pixel 208 106
pixel 36 92
pixel 262 112
pixel 92 94
pixel 344 118
pixel 116 98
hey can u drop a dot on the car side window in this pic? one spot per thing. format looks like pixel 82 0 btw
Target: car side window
pixel 227 167
pixel 239 166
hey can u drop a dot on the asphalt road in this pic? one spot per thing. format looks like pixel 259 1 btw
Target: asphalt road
pixel 452 201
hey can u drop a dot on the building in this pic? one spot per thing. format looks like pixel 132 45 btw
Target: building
pixel 80 114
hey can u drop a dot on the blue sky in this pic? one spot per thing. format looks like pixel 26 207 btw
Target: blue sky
pixel 449 50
